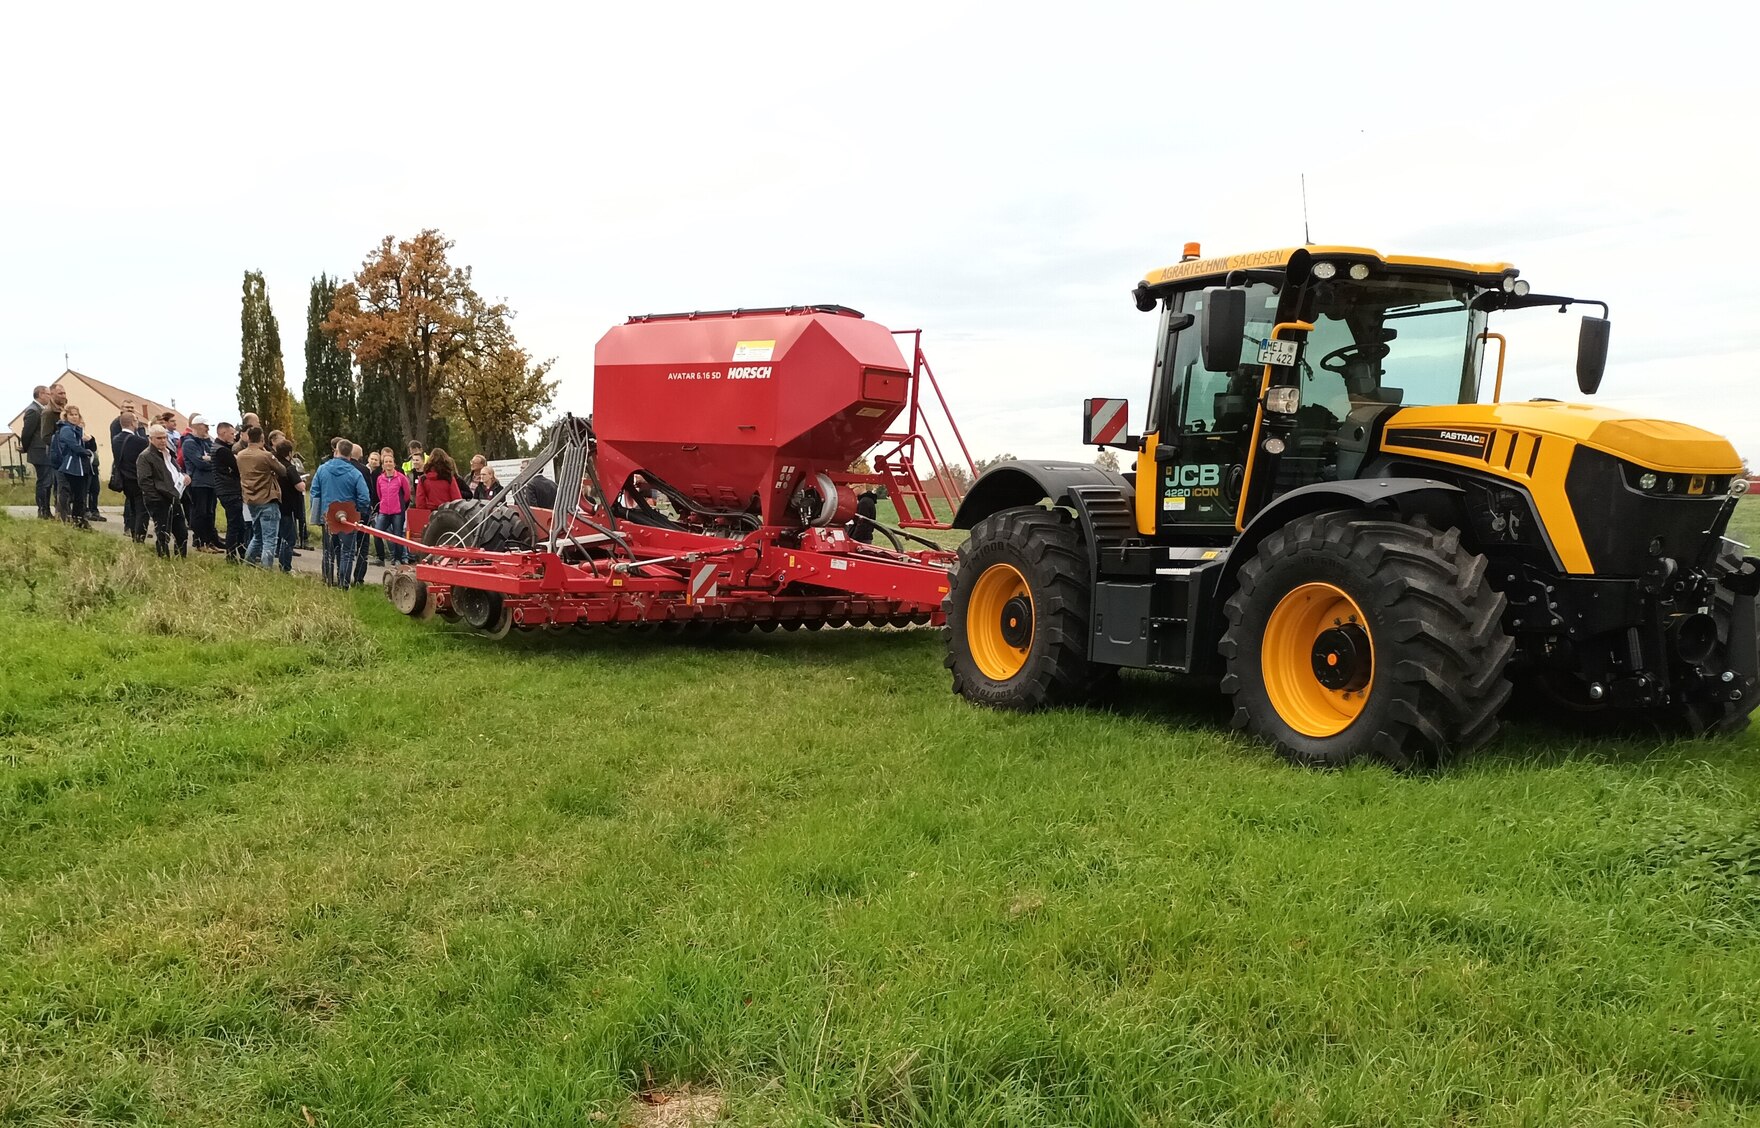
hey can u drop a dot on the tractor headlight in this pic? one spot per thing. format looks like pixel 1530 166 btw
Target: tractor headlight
pixel 1521 288
pixel 1324 270
pixel 1647 481
pixel 1283 401
pixel 1272 445
pixel 1359 271
pixel 1738 485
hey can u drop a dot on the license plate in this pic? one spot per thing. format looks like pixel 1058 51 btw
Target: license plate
pixel 1277 352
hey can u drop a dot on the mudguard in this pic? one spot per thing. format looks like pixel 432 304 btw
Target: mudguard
pixel 1024 482
pixel 1404 494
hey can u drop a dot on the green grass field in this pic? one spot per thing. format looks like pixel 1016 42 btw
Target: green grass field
pixel 1745 524
pixel 267 848
pixel 25 493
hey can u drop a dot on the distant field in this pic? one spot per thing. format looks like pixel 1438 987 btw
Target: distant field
pixel 269 850
pixel 1745 525
pixel 947 538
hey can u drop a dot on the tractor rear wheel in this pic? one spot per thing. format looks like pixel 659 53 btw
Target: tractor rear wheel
pixel 1352 635
pixel 1017 614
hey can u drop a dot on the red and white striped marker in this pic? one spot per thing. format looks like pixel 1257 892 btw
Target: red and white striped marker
pixel 1106 420
pixel 703 585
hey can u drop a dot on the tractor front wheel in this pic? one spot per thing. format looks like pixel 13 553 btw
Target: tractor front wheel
pixel 1352 635
pixel 1017 614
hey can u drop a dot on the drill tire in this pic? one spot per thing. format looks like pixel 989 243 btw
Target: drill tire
pixel 1431 622
pixel 504 530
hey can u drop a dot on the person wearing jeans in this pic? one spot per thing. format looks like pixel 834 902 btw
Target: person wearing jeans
pixel 394 497
pixel 73 465
pixel 265 543
pixel 259 475
pixel 338 480
pixel 392 523
pixel 292 503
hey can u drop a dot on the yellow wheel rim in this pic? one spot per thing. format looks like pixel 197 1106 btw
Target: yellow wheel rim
pixel 1317 660
pixel 999 622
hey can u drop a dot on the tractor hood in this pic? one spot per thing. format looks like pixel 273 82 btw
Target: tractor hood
pixel 1659 444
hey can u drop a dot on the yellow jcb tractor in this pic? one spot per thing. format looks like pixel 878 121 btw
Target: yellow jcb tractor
pixel 1323 514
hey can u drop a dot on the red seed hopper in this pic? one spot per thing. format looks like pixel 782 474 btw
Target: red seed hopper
pixel 712 485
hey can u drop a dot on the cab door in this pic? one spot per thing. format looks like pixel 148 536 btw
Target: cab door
pixel 1191 469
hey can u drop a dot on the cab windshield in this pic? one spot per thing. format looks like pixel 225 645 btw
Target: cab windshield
pixel 1391 341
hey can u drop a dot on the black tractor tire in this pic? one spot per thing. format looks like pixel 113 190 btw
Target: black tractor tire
pixel 1018 612
pixel 1387 641
pixel 505 530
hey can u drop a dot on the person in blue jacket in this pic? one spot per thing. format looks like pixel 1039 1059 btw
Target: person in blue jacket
pixel 196 456
pixel 338 480
pixel 72 462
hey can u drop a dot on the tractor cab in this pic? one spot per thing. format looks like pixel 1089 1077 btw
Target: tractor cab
pixel 1280 369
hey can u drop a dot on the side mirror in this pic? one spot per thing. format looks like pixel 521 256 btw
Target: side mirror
pixel 1592 353
pixel 1105 421
pixel 1223 328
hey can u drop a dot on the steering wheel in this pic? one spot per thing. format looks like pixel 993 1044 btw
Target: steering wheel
pixel 1339 359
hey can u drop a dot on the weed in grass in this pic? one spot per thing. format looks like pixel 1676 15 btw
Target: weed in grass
pixel 92 583
pixel 207 601
pixel 21 567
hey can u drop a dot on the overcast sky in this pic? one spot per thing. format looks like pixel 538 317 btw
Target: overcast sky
pixel 999 176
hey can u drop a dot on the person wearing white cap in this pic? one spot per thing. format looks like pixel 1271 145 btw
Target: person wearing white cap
pixel 196 454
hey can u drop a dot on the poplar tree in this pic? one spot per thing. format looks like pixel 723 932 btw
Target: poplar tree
pixel 329 387
pixel 262 376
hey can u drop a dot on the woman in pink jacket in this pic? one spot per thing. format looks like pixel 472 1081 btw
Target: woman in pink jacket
pixel 393 492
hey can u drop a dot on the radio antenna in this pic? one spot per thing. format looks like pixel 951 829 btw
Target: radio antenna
pixel 1307 240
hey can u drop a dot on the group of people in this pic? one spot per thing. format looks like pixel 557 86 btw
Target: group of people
pixel 180 482
pixel 383 493
pixel 63 456
pixel 173 481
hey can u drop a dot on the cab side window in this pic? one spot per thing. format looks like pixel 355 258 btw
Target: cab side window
pixel 1220 402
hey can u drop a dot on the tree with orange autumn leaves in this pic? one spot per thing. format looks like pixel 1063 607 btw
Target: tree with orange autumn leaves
pixel 413 315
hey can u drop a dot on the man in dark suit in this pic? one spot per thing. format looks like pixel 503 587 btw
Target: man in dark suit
pixel 33 436
pixel 231 495
pixel 162 485
pixel 125 453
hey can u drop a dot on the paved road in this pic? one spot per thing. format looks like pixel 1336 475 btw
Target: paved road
pixel 309 562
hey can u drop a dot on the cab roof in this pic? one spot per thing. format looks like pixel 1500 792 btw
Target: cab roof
pixel 1206 269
